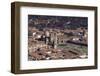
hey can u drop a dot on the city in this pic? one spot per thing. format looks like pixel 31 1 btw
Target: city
pixel 57 37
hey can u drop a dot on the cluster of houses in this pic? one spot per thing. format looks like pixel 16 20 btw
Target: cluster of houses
pixel 56 36
pixel 44 44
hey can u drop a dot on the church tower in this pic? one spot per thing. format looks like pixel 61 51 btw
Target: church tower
pixel 47 35
pixel 55 41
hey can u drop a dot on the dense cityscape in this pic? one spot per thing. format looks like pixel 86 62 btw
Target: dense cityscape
pixel 57 37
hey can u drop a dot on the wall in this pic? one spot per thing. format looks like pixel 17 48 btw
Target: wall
pixel 5 33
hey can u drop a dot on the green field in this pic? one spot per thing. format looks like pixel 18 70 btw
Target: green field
pixel 70 46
